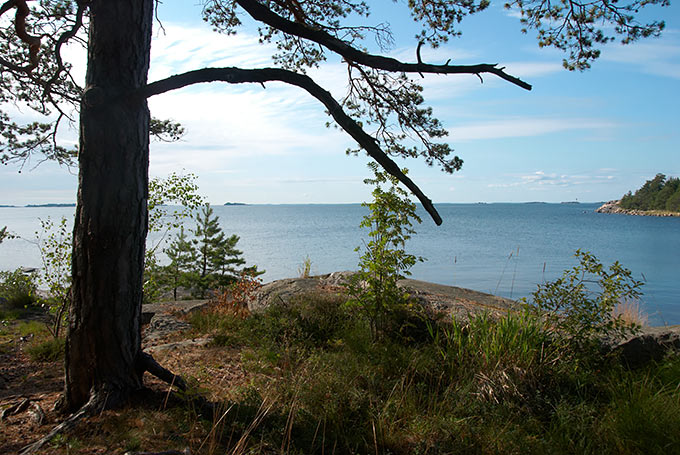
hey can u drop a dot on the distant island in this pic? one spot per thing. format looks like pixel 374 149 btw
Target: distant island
pixel 50 205
pixel 6 206
pixel 234 203
pixel 659 196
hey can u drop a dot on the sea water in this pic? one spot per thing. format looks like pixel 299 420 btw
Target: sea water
pixel 502 249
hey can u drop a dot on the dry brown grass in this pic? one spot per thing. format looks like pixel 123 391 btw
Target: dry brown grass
pixel 631 312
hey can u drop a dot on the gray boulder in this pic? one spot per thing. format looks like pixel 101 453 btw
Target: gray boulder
pixel 652 344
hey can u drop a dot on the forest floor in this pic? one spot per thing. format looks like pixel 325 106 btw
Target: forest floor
pixel 37 384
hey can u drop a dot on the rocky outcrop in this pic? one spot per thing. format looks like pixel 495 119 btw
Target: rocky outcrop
pixel 449 299
pixel 614 207
pixel 652 344
pixel 162 319
pixel 609 207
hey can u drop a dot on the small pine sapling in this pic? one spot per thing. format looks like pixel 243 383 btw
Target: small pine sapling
pixel 384 261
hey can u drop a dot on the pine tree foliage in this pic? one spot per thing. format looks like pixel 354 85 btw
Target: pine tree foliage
pixel 659 193
pixel 4 234
pixel 217 256
pixel 182 255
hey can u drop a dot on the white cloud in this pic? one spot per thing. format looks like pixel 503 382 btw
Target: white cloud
pixel 532 69
pixel 524 127
pixel 542 180
pixel 660 57
pixel 183 48
pixel 224 126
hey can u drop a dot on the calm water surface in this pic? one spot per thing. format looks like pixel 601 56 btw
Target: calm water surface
pixel 503 249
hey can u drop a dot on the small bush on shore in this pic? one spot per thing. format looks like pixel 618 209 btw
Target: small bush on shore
pixel 580 305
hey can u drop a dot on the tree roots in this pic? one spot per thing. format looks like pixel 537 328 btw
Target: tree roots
pixel 109 397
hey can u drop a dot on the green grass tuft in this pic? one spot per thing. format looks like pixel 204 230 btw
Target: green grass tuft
pixel 47 351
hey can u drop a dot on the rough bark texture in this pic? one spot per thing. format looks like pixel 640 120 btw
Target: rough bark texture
pixel 103 346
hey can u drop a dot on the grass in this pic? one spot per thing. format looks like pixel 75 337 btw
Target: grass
pixel 305 269
pixel 50 350
pixel 484 386
pixel 317 382
pixel 17 324
pixel 631 312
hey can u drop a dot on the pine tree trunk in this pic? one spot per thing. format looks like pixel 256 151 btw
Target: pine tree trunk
pixel 103 344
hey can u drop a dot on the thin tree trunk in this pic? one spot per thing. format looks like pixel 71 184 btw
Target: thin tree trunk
pixel 103 344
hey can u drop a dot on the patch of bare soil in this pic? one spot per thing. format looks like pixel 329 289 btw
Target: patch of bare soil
pixel 23 380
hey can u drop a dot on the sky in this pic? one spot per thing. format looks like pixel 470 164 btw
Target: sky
pixel 577 136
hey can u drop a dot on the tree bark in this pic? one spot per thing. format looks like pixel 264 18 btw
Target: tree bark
pixel 103 347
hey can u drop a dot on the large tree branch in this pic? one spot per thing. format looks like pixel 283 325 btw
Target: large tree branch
pixel 33 42
pixel 238 76
pixel 263 14
pixel 67 35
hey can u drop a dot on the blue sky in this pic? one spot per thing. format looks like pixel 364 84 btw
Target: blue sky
pixel 587 136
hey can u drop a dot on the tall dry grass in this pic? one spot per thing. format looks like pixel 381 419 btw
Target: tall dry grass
pixel 630 312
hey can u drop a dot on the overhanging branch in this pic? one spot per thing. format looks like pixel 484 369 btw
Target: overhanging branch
pixel 33 42
pixel 263 14
pixel 67 35
pixel 238 76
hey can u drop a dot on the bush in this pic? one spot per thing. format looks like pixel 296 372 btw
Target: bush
pixel 18 289
pixel 580 305
pixel 311 319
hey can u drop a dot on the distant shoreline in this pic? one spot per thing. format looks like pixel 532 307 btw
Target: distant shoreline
pixel 34 206
pixel 614 207
pixel 229 204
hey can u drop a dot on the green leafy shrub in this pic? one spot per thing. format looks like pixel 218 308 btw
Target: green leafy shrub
pixel 18 289
pixel 55 243
pixel 579 305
